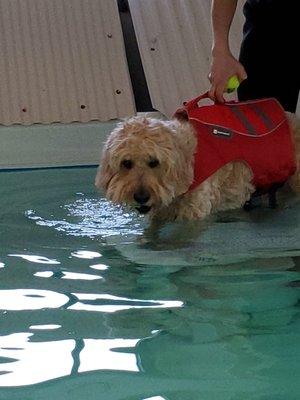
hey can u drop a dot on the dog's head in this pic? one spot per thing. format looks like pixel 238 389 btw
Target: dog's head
pixel 146 163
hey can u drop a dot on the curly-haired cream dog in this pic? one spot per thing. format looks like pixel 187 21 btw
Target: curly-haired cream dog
pixel 148 164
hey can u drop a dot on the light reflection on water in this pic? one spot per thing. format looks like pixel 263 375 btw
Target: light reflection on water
pixel 88 255
pixel 35 259
pixel 121 303
pixel 44 274
pixel 34 299
pixel 30 299
pixel 155 398
pixel 69 275
pixel 99 267
pixel 103 354
pixel 79 276
pixel 95 217
pixel 27 362
pixel 43 327
pixel 32 362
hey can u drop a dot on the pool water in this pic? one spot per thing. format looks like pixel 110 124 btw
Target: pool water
pixel 93 306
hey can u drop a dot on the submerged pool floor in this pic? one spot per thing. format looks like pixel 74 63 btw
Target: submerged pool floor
pixel 90 310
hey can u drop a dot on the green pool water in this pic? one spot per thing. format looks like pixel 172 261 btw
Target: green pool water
pixel 93 307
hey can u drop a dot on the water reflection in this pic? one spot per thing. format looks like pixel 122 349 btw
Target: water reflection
pixel 68 275
pixel 33 362
pixel 112 354
pixel 44 274
pixel 35 259
pixel 89 255
pixel 44 327
pixel 90 302
pixel 24 362
pixel 30 299
pixel 80 276
pixel 155 398
pixel 99 267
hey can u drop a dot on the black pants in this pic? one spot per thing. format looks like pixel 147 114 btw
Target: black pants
pixel 269 51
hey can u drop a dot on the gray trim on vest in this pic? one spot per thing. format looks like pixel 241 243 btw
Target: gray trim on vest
pixel 242 117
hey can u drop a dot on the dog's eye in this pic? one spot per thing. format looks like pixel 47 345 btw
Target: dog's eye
pixel 153 163
pixel 128 164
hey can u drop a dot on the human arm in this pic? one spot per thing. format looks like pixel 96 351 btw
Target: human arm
pixel 224 64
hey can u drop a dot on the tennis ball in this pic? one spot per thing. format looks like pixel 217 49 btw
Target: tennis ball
pixel 232 84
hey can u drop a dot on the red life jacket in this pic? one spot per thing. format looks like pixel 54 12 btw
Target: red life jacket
pixel 256 132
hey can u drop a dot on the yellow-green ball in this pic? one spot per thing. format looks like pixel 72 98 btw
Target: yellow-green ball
pixel 232 84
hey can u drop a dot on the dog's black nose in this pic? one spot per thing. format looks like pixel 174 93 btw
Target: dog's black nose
pixel 141 196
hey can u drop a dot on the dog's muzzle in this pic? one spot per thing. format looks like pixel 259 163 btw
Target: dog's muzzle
pixel 142 196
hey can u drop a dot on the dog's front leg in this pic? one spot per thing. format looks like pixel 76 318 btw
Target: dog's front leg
pixel 197 204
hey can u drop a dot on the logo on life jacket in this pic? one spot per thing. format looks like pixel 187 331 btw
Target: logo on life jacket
pixel 223 133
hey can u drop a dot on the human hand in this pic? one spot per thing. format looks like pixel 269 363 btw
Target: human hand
pixel 223 66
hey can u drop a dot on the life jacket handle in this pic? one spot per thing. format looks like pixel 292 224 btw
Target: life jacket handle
pixel 191 104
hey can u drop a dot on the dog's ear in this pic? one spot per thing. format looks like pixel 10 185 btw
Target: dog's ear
pixel 184 142
pixel 104 173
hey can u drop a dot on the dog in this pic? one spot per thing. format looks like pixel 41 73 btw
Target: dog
pixel 147 163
